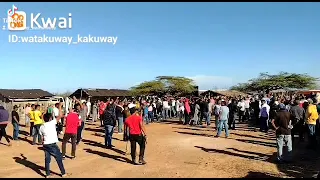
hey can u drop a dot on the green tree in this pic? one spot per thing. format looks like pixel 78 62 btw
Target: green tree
pixel 165 84
pixel 266 81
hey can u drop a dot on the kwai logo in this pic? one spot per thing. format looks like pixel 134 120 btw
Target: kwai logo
pixel 17 21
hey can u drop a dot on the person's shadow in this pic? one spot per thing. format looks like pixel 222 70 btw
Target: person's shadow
pixel 31 165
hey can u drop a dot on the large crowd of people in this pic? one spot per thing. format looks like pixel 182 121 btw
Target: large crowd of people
pixel 288 115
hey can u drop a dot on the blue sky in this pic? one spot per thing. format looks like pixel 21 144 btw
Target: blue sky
pixel 216 44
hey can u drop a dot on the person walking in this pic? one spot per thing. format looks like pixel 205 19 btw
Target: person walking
pixel 137 134
pixel 50 138
pixel 4 120
pixel 15 122
pixel 223 119
pixel 72 123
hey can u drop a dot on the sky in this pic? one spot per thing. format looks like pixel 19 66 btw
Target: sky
pixel 216 44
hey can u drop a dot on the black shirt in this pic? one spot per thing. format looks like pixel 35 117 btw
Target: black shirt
pixel 204 107
pixel 15 114
pixel 282 120
pixel 119 112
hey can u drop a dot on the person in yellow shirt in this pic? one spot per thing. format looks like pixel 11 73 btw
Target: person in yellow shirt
pixel 38 121
pixel 31 117
pixel 311 120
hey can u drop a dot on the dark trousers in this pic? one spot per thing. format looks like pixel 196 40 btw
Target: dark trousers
pixel 298 128
pixel 241 116
pixel 312 141
pixel 141 140
pixel 101 119
pixel 36 134
pixel 3 132
pixel 256 116
pixel 186 118
pixel 232 121
pixel 247 114
pixel 264 124
pixel 79 132
pixel 15 130
pixel 53 150
pixel 31 128
pixel 65 140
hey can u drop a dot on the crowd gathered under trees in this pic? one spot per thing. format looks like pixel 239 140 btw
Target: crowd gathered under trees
pixel 169 97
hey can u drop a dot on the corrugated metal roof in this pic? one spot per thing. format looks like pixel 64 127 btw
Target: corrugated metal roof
pixel 107 92
pixel 24 93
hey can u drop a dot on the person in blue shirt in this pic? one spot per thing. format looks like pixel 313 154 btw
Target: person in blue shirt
pixel 145 114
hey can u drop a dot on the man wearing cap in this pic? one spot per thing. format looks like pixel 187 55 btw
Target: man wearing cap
pixel 311 120
pixel 282 124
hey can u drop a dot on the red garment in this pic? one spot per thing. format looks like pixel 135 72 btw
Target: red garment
pixel 133 122
pixel 301 104
pixel 187 106
pixel 72 123
pixel 102 107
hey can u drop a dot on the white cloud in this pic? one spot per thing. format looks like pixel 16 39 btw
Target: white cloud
pixel 212 82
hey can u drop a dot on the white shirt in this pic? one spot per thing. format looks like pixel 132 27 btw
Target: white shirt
pixel 55 113
pixel 165 104
pixel 131 105
pixel 89 108
pixel 173 103
pixel 49 132
pixel 242 106
pixel 247 103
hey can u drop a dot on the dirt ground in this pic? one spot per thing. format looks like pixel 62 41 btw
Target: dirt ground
pixel 173 150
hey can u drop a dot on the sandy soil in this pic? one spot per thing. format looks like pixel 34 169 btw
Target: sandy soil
pixel 173 150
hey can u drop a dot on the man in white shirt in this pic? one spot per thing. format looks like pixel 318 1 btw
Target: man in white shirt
pixel 50 138
pixel 173 107
pixel 264 116
pixel 55 114
pixel 89 108
pixel 247 109
pixel 166 108
pixel 242 109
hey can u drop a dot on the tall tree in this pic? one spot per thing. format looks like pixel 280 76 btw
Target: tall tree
pixel 266 81
pixel 165 84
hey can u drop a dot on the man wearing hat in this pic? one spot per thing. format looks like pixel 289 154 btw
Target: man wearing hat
pixel 282 124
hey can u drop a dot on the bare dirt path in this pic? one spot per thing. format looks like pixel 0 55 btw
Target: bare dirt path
pixel 173 150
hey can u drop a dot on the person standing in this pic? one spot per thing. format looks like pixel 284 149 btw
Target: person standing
pixel 264 116
pixel 232 111
pixel 37 124
pixel 94 112
pixel 15 122
pixel 138 135
pixel 50 138
pixel 242 109
pixel 4 120
pixel 119 115
pixel 223 119
pixel 109 121
pixel 281 123
pixel 55 114
pixel 298 120
pixel 72 123
pixel 311 119
pixel 82 115
pixel 27 118
pixel 102 107
pixel 204 107
pixel 31 116
pixel 217 113
pixel 187 111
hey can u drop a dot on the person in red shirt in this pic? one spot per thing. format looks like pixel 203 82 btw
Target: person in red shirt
pixel 102 107
pixel 137 134
pixel 72 124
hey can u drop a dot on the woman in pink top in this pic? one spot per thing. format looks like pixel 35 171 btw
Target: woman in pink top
pixel 187 111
